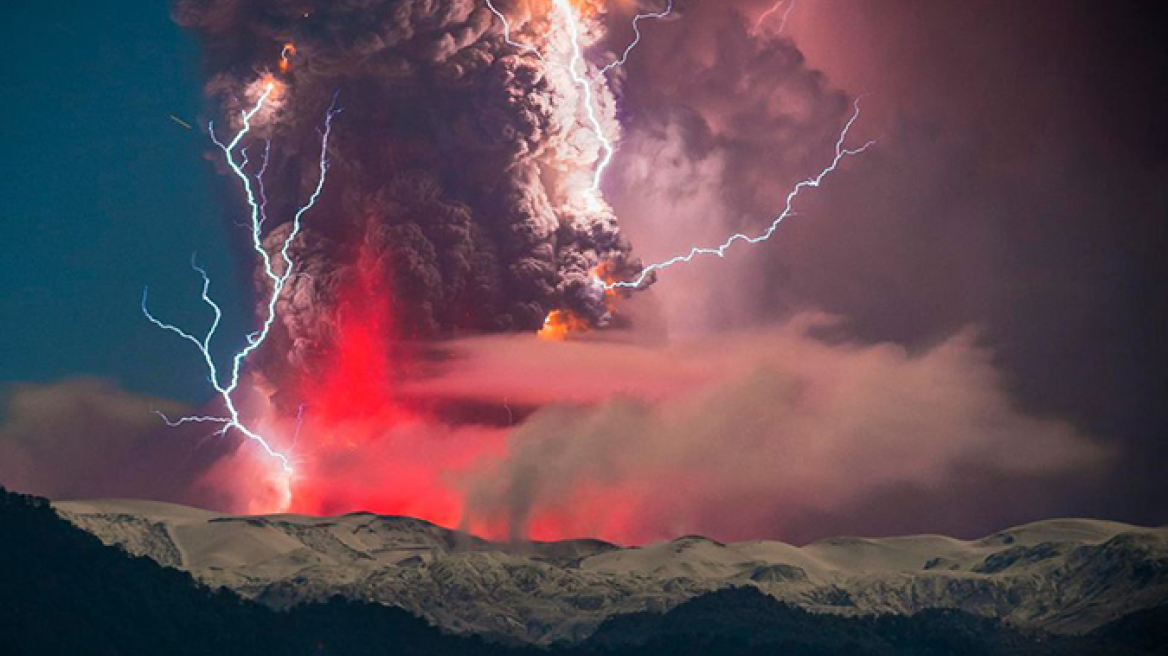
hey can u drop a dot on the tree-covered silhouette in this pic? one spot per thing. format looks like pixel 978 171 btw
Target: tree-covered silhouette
pixel 63 592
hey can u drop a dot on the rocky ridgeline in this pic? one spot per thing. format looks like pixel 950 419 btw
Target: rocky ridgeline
pixel 1066 576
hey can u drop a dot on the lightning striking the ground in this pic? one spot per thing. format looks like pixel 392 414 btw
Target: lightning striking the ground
pixel 841 153
pixel 278 277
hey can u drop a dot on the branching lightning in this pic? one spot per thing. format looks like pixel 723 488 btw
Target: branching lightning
pixel 771 12
pixel 507 32
pixel 637 39
pixel 577 69
pixel 278 279
pixel 575 65
pixel 841 153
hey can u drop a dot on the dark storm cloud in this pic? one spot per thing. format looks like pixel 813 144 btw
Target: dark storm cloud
pixel 727 92
pixel 444 162
pixel 721 121
pixel 1018 185
pixel 1021 185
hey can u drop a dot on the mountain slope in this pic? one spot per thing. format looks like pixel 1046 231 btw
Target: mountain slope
pixel 63 592
pixel 1068 576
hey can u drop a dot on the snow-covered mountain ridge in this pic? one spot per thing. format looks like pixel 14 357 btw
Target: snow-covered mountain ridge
pixel 1067 575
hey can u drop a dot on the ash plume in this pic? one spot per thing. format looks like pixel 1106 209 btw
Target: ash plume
pixel 453 174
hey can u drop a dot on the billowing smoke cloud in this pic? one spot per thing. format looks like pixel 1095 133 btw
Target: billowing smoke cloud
pixel 789 431
pixel 722 94
pixel 722 121
pixel 775 433
pixel 459 164
pixel 747 437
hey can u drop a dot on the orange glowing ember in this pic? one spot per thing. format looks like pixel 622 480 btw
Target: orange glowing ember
pixel 269 81
pixel 561 323
pixel 604 273
pixel 286 56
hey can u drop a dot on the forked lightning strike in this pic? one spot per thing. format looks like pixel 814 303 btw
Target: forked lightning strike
pixel 507 32
pixel 637 39
pixel 771 12
pixel 577 70
pixel 624 58
pixel 574 66
pixel 840 154
pixel 278 279
pixel 585 84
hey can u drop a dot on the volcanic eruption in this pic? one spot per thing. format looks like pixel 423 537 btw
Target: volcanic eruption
pixel 463 169
pixel 463 197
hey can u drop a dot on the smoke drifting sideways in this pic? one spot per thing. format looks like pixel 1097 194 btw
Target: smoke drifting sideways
pixel 776 432
pixel 459 186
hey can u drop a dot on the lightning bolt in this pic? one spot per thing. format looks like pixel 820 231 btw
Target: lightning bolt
pixel 576 68
pixel 256 339
pixel 841 153
pixel 771 12
pixel 637 39
pixel 507 32
pixel 575 64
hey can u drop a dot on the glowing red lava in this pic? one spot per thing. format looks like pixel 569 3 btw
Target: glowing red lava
pixel 361 448
pixel 359 381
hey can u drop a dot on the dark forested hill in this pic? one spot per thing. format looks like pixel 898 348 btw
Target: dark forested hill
pixel 746 621
pixel 63 592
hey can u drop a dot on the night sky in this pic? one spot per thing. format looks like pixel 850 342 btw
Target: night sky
pixel 105 195
pixel 1018 193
